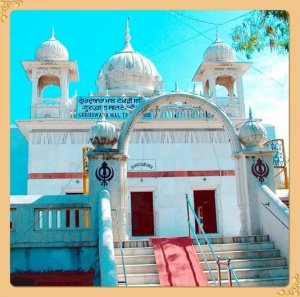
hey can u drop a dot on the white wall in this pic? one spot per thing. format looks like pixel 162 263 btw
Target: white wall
pixel 170 214
pixel 169 192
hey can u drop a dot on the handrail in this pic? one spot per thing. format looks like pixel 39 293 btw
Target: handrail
pixel 232 272
pixel 121 248
pixel 205 259
pixel 216 257
pixel 278 219
pixel 201 229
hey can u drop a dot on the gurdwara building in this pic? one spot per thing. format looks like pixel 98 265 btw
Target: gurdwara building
pixel 110 172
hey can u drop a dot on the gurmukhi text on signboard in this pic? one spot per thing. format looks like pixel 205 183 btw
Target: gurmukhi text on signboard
pixel 112 107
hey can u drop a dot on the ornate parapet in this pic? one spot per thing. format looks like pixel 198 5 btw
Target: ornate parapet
pixel 52 111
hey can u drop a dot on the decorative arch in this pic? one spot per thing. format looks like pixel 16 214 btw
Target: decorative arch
pixel 209 106
pixel 47 80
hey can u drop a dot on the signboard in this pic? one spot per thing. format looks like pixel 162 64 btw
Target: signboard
pixel 141 165
pixel 113 107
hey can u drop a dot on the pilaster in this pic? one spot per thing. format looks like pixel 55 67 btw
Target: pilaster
pixel 259 170
pixel 107 172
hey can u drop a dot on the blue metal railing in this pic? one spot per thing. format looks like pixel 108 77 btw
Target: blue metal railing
pixel 215 256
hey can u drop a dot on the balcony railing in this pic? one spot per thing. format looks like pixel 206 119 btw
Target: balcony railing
pixel 52 221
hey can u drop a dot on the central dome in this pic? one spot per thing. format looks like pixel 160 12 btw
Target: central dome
pixel 219 51
pixel 129 73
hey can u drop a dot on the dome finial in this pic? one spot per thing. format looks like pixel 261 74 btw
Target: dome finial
pixel 217 36
pixel 250 114
pixel 52 34
pixel 127 37
pixel 176 87
pixel 127 31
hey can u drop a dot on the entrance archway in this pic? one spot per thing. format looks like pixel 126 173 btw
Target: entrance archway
pixel 135 116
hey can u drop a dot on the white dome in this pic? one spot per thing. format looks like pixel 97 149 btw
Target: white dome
pixel 129 72
pixel 52 50
pixel 103 134
pixel 252 133
pixel 219 51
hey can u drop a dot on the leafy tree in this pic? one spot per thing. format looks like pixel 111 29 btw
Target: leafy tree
pixel 260 29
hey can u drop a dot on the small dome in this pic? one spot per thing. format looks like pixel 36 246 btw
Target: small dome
pixel 252 133
pixel 219 51
pixel 103 134
pixel 52 50
pixel 129 72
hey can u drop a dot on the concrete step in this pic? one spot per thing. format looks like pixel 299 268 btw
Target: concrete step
pixel 216 247
pixel 134 251
pixel 144 281
pixel 236 264
pixel 252 263
pixel 236 246
pixel 150 275
pixel 138 279
pixel 137 268
pixel 235 239
pixel 252 254
pixel 140 259
pixel 251 273
pixel 257 282
pixel 255 260
pixel 212 238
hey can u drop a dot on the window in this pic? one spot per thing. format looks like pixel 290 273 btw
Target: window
pixel 60 218
pixel 12 218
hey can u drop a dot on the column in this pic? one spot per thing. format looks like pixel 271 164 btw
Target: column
pixel 64 87
pixel 212 87
pixel 258 170
pixel 240 94
pixel 107 172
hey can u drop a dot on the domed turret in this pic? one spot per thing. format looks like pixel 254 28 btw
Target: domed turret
pixel 52 50
pixel 252 133
pixel 219 51
pixel 130 73
pixel 103 134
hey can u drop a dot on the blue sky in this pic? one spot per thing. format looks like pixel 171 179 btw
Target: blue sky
pixel 174 41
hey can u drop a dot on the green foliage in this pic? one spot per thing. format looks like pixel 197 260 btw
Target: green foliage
pixel 262 28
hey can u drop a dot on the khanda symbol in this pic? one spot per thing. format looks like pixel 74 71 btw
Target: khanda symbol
pixel 260 170
pixel 104 174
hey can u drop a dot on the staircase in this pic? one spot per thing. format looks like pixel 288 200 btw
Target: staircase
pixel 255 260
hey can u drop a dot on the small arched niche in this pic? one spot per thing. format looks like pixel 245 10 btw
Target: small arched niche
pixel 49 89
pixel 225 86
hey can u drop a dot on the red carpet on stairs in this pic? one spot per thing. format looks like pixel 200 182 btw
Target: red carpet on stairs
pixel 177 262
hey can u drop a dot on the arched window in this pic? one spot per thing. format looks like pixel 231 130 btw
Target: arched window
pixel 49 89
pixel 225 86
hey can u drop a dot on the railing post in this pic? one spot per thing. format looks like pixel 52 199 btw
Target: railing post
pixel 219 271
pixel 229 272
pixel 188 213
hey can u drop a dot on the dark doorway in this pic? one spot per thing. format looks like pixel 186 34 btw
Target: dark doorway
pixel 205 208
pixel 142 219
